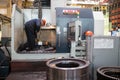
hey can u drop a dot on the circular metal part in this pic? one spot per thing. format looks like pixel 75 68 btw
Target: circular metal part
pixel 108 73
pixel 68 69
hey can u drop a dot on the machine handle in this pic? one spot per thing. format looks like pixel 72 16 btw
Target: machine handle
pixel 59 40
pixel 79 32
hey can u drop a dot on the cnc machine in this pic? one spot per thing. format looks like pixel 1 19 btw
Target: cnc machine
pixel 69 33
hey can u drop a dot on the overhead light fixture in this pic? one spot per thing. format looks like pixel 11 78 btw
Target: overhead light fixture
pixel 30 0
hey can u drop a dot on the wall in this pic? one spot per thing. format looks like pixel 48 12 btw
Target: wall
pixel 33 13
pixel 54 4
pixel 98 23
pixel 6 30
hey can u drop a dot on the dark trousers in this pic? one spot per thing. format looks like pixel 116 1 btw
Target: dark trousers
pixel 30 33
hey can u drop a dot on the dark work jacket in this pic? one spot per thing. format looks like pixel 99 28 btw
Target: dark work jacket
pixel 33 25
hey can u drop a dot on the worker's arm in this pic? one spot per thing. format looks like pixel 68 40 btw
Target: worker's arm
pixel 38 24
pixel 35 34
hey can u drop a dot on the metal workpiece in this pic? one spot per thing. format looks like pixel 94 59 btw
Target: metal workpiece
pixel 108 73
pixel 68 69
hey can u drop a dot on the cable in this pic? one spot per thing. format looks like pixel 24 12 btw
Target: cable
pixel 7 48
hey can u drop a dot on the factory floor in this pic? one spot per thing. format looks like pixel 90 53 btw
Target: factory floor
pixel 41 75
pixel 24 70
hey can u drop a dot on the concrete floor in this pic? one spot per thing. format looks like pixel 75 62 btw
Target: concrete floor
pixel 27 76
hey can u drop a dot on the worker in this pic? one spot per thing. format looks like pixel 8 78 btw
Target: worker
pixel 31 29
pixel 114 30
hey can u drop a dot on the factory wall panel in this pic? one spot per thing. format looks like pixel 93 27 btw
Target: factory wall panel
pixel 54 4
pixel 33 13
pixel 6 30
pixel 98 23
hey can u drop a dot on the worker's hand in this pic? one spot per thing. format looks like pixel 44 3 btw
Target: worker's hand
pixel 36 40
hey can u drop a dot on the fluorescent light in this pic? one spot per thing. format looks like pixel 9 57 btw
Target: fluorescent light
pixel 30 0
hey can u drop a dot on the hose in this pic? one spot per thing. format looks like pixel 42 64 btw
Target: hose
pixel 7 48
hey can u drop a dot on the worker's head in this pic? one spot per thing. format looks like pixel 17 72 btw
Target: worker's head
pixel 43 22
pixel 88 33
